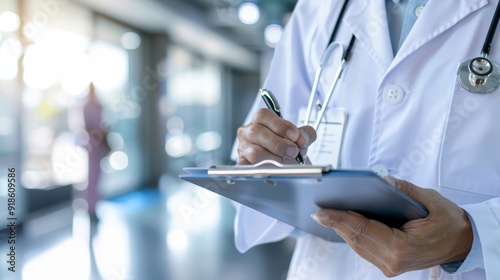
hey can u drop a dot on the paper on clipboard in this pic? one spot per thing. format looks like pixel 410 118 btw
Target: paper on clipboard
pixel 326 148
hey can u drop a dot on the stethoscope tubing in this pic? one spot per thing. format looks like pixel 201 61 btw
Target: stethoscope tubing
pixel 488 41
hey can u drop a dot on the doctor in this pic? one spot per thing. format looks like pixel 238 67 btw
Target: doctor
pixel 405 116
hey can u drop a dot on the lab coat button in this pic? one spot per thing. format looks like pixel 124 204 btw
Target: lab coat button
pixel 418 10
pixel 393 94
pixel 381 170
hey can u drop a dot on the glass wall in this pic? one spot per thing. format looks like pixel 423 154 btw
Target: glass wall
pixel 117 50
pixel 194 111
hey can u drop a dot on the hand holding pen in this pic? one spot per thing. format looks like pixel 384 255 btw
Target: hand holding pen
pixel 269 136
pixel 272 104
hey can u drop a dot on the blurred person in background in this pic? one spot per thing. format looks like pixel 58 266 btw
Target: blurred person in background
pixel 97 147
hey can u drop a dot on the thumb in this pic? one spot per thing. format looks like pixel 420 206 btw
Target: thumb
pixel 307 136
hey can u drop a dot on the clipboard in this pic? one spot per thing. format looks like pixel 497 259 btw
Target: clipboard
pixel 291 193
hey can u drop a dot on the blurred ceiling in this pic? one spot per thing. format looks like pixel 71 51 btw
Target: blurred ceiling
pixel 221 16
pixel 209 27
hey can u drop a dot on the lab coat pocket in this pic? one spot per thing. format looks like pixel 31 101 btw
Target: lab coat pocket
pixel 470 152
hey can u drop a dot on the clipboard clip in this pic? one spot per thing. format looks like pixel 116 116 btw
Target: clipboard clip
pixel 269 168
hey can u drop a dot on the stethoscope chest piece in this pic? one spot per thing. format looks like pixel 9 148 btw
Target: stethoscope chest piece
pixel 479 75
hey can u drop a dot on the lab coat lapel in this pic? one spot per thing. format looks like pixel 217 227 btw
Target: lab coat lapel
pixel 368 22
pixel 431 24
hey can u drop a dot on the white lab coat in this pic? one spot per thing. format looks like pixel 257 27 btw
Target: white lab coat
pixel 439 136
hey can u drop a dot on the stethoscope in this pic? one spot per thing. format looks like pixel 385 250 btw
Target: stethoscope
pixel 480 75
pixel 476 75
pixel 324 59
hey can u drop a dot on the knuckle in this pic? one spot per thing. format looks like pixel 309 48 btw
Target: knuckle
pixel 241 151
pixel 396 266
pixel 261 115
pixel 405 186
pixel 354 238
pixel 279 148
pixel 388 273
pixel 432 192
pixel 240 133
pixel 252 133
pixel 339 219
pixel 252 155
pixel 281 126
pixel 399 253
pixel 248 151
pixel 241 146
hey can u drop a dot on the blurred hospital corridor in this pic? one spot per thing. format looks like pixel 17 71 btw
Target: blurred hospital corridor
pixel 102 105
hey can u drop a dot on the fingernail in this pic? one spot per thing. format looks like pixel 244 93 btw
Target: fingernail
pixel 319 218
pixel 315 218
pixel 292 134
pixel 292 152
pixel 321 215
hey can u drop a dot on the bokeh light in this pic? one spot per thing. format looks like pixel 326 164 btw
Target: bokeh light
pixel 208 141
pixel 110 67
pixel 76 74
pixel 179 145
pixel 272 34
pixel 9 21
pixel 177 240
pixel 248 13
pixel 131 40
pixel 175 125
pixel 8 70
pixel 31 98
pixel 41 67
pixel 118 160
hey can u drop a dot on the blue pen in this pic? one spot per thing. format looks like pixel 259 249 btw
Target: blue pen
pixel 272 103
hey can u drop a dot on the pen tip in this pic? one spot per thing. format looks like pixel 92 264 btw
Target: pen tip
pixel 300 159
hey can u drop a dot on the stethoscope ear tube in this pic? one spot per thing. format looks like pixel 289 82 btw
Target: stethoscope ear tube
pixel 345 55
pixel 324 59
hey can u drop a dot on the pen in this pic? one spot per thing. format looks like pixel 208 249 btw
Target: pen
pixel 272 103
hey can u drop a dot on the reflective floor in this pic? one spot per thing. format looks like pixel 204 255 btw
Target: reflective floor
pixel 179 232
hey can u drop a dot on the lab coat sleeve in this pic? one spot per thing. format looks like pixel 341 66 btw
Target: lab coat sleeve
pixel 290 83
pixel 253 228
pixel 485 252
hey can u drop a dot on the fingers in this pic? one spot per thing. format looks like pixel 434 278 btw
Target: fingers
pixel 368 238
pixel 445 235
pixel 250 153
pixel 243 161
pixel 364 248
pixel 355 225
pixel 271 137
pixel 279 126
